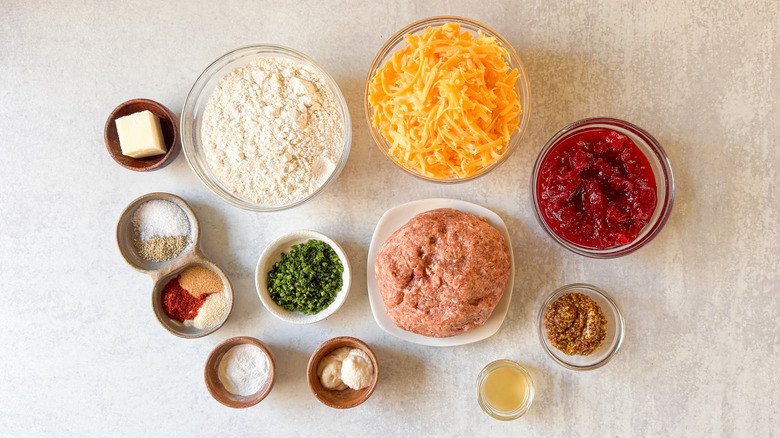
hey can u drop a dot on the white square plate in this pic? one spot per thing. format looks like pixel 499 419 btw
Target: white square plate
pixel 394 219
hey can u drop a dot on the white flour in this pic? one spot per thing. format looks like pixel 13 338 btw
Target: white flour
pixel 272 131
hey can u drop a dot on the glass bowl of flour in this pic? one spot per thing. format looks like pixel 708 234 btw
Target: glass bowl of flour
pixel 266 128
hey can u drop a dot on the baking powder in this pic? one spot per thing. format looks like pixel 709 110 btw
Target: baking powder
pixel 243 370
pixel 272 131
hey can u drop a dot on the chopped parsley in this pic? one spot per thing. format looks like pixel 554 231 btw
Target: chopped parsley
pixel 307 279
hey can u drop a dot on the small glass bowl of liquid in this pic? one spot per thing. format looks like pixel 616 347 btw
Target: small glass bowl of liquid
pixel 505 390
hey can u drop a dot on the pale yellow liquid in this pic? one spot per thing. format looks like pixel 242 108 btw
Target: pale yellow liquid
pixel 504 389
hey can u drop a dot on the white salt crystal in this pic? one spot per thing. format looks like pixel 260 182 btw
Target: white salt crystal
pixel 161 218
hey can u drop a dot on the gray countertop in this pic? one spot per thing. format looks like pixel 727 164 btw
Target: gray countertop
pixel 82 353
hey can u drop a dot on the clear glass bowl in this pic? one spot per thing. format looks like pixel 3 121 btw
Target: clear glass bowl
pixel 615 329
pixel 198 97
pixel 482 399
pixel 396 42
pixel 662 170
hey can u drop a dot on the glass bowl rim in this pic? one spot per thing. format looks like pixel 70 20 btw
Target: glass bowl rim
pixel 523 85
pixel 620 330
pixel 189 110
pixel 659 157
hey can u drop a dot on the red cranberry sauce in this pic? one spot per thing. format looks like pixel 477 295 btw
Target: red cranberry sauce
pixel 596 189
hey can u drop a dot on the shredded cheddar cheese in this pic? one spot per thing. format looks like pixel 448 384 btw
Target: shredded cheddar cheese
pixel 446 102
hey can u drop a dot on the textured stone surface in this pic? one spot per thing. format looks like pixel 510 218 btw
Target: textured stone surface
pixel 82 353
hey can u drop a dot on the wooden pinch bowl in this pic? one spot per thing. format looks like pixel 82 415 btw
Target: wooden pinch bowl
pixel 347 398
pixel 125 235
pixel 170 132
pixel 218 391
pixel 161 278
pixel 163 272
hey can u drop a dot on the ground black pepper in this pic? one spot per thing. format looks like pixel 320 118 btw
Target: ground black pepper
pixel 160 249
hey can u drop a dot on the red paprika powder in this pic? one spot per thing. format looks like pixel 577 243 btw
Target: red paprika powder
pixel 179 304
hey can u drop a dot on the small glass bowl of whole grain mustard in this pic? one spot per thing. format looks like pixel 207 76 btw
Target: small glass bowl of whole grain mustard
pixel 580 327
pixel 505 390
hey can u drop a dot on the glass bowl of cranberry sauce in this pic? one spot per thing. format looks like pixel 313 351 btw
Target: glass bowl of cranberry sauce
pixel 602 187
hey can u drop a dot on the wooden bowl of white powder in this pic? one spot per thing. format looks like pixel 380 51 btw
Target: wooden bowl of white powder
pixel 265 128
pixel 240 372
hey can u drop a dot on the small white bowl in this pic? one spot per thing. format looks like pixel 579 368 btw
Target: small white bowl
pixel 273 253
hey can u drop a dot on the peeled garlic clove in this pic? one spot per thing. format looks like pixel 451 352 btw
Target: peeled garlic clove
pixel 330 376
pixel 357 371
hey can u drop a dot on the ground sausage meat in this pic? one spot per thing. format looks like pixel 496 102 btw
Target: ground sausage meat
pixel 443 273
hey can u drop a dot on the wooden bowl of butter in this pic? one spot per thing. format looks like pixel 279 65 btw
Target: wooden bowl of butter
pixel 343 372
pixel 141 135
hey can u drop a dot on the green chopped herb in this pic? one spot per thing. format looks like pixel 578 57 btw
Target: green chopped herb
pixel 307 279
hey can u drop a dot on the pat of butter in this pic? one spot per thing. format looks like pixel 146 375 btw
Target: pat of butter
pixel 140 135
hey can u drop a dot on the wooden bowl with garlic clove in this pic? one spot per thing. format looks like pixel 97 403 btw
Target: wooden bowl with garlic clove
pixel 168 125
pixel 346 398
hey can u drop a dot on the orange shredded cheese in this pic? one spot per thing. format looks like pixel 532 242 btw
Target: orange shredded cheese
pixel 446 102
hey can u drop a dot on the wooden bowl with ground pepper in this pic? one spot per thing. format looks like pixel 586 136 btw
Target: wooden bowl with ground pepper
pixel 580 326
